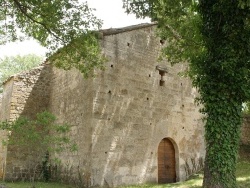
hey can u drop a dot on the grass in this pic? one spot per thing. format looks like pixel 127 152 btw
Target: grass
pixel 37 185
pixel 242 174
pixel 243 167
pixel 194 182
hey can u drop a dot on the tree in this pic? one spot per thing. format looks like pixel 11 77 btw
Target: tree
pixel 15 64
pixel 55 24
pixel 39 142
pixel 214 37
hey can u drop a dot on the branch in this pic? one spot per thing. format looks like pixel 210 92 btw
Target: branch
pixel 177 36
pixel 24 11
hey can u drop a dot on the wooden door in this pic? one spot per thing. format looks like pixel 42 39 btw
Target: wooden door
pixel 166 162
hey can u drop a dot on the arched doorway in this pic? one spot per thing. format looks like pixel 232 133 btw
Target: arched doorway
pixel 166 162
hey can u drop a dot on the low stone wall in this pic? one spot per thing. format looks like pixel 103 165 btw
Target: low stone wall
pixel 245 131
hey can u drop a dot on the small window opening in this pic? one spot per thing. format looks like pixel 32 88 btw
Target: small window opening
pixel 162 82
pixel 128 44
pixel 111 66
pixel 162 71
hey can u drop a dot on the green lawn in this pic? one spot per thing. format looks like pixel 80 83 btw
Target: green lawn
pixel 37 185
pixel 242 173
pixel 243 179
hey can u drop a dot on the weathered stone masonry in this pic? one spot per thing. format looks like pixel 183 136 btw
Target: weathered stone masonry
pixel 24 94
pixel 120 116
pixel 3 150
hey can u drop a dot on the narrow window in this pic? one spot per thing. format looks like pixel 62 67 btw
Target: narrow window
pixel 162 71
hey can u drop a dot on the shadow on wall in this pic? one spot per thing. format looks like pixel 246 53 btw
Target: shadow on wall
pixel 31 91
pixel 37 92
pixel 124 133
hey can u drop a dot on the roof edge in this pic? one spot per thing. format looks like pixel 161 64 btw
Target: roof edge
pixel 114 31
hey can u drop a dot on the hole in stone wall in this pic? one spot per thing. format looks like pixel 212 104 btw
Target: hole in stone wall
pixel 111 66
pixel 128 44
pixel 183 105
pixel 162 82
pixel 147 99
pixel 106 152
pixel 109 92
pixel 181 84
pixel 149 75
pixel 182 127
pixel 162 41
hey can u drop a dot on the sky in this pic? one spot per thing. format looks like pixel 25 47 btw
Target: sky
pixel 110 11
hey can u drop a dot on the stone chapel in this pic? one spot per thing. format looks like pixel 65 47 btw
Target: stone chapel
pixel 135 122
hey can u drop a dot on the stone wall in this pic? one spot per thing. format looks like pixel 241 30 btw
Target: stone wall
pixel 5 115
pixel 133 113
pixel 3 150
pixel 119 117
pixel 245 131
pixel 25 94
pixel 71 100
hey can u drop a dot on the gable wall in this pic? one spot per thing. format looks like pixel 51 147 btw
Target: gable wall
pixel 132 113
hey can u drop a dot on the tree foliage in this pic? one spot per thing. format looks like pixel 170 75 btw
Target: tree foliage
pixel 39 141
pixel 246 108
pixel 55 24
pixel 214 38
pixel 15 64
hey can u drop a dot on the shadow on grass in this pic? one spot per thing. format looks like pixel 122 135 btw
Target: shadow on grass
pixel 195 181
pixel 243 173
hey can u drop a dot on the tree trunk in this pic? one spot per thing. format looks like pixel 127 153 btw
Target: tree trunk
pixel 223 85
pixel 222 143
